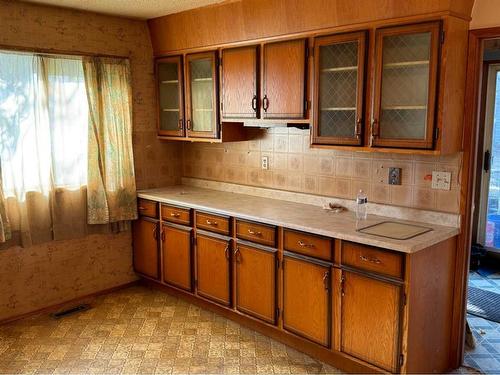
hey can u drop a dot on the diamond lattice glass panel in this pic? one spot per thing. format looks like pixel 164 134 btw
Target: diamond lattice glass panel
pixel 168 95
pixel 405 86
pixel 338 83
pixel 202 95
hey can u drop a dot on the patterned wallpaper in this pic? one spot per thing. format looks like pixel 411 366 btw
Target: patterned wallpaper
pixel 38 277
pixel 294 166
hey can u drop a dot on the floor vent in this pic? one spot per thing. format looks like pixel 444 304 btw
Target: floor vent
pixel 70 311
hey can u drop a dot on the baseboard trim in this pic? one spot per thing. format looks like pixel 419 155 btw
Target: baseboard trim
pixel 59 306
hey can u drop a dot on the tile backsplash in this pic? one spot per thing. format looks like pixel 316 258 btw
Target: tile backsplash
pixel 295 166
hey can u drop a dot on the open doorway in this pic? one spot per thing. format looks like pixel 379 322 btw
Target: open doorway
pixel 483 302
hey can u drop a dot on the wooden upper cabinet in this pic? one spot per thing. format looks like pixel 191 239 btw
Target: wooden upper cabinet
pixel 405 86
pixel 339 70
pixel 370 320
pixel 146 254
pixel 213 268
pixel 201 95
pixel 176 249
pixel 284 80
pixel 306 298
pixel 256 281
pixel 239 78
pixel 170 96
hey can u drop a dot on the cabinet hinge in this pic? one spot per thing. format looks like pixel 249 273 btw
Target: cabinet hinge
pixel 404 299
pixel 436 133
pixel 401 359
pixel 442 36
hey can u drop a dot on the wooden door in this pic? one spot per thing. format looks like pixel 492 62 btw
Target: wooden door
pixel 339 62
pixel 256 281
pixel 405 86
pixel 176 248
pixel 239 83
pixel 306 298
pixel 170 96
pixel 146 253
pixel 284 80
pixel 370 320
pixel 201 95
pixel 212 267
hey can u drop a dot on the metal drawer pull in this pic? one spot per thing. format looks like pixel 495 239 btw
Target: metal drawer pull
pixel 140 208
pixel 371 260
pixel 214 223
pixel 163 235
pixel 175 214
pixel 237 255
pixel 226 252
pixel 253 233
pixel 304 244
pixel 326 280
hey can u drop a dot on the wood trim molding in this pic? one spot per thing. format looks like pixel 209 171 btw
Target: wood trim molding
pixel 469 145
pixel 59 306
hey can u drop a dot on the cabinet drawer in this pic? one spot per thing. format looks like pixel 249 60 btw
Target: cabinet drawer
pixel 372 259
pixel 213 223
pixel 308 244
pixel 147 208
pixel 260 233
pixel 175 214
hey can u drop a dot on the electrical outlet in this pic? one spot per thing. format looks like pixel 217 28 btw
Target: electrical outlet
pixel 394 176
pixel 264 162
pixel 441 180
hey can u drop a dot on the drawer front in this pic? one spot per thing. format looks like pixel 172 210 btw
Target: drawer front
pixel 175 215
pixel 372 259
pixel 147 208
pixel 213 223
pixel 308 244
pixel 259 233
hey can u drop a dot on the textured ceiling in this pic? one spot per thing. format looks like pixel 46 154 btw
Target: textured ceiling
pixel 141 9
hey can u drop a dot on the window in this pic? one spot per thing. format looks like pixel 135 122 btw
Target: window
pixel 43 123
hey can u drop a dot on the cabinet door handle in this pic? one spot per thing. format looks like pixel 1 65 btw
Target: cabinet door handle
pixel 155 232
pixel 181 122
pixel 265 103
pixel 358 127
pixel 254 233
pixel 237 255
pixel 226 252
pixel 375 127
pixel 213 223
pixel 326 280
pixel 140 208
pixel 304 244
pixel 188 123
pixel 371 260
pixel 175 214
pixel 254 103
pixel 163 234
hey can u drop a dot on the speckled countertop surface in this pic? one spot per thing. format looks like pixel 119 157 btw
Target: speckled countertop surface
pixel 303 217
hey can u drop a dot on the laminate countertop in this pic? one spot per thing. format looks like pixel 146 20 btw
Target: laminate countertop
pixel 298 216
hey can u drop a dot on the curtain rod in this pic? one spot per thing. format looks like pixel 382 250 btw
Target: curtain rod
pixel 61 52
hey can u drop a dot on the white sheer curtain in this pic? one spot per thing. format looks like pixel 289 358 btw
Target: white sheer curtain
pixel 43 145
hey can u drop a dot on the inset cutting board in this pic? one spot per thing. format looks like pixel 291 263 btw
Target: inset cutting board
pixel 395 230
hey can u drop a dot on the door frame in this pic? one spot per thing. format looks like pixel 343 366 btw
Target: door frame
pixel 471 126
pixel 490 71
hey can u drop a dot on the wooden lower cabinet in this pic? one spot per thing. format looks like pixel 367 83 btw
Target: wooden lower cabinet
pixel 370 319
pixel 306 298
pixel 176 251
pixel 146 254
pixel 213 274
pixel 255 272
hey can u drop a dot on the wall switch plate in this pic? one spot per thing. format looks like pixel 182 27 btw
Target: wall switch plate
pixel 264 162
pixel 441 180
pixel 394 176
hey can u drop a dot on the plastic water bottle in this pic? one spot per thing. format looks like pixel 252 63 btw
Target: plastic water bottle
pixel 361 201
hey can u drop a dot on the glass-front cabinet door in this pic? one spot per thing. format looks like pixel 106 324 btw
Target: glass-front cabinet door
pixel 406 64
pixel 170 96
pixel 201 95
pixel 338 96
